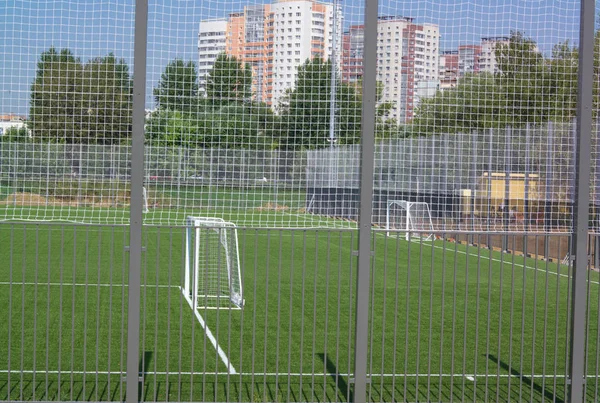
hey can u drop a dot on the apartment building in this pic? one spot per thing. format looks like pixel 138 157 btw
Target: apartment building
pixel 352 54
pixel 276 39
pixel 469 59
pixel 407 54
pixel 448 65
pixel 211 42
pixel 487 59
pixel 407 61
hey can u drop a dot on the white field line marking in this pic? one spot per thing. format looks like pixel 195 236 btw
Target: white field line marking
pixel 506 261
pixel 296 374
pixel 86 285
pixel 211 337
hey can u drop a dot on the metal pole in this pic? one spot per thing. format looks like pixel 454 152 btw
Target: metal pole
pixel 548 182
pixel 333 77
pixel 367 159
pixel 526 179
pixel 332 103
pixel 507 171
pixel 489 188
pixel 585 85
pixel 137 199
pixel 473 185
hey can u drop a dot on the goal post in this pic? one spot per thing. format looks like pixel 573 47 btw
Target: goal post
pixel 212 276
pixel 145 201
pixel 412 218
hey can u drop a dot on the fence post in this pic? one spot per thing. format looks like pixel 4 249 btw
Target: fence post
pixel 136 202
pixel 506 216
pixel 366 201
pixel 582 201
pixel 526 217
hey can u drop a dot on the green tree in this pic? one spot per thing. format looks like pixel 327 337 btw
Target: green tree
pixel 473 104
pixel 57 101
pixel 249 126
pixel 526 87
pixel 108 91
pixel 563 69
pixel 229 81
pixel 306 109
pixel 177 88
pixel 16 134
pixel 167 127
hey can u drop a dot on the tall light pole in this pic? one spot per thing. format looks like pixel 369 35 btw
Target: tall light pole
pixel 333 77
pixel 332 104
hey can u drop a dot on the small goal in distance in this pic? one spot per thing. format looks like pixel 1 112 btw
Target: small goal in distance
pixel 212 267
pixel 412 218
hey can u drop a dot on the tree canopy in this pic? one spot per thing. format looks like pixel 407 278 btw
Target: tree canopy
pixel 72 102
pixel 528 88
pixel 229 81
pixel 306 110
pixel 56 98
pixel 177 89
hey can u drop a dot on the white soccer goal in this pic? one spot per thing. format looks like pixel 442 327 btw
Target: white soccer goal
pixel 414 218
pixel 145 193
pixel 212 267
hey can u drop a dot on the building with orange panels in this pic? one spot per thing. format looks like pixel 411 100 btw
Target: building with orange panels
pixel 276 39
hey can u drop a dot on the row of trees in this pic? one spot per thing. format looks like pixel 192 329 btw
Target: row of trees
pixel 91 102
pixel 529 88
pixel 74 102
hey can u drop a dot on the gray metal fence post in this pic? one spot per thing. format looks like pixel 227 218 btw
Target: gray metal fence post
pixel 137 199
pixel 366 201
pixel 582 201
pixel 526 217
pixel 506 216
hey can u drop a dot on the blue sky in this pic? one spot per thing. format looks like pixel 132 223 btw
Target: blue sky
pixel 96 27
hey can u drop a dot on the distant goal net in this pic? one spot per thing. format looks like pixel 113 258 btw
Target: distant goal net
pixel 413 219
pixel 212 267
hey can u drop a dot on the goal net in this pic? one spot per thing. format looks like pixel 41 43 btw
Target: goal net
pixel 212 268
pixel 413 218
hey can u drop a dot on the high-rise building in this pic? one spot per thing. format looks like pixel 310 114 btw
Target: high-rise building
pixel 448 66
pixel 487 60
pixel 352 54
pixel 276 39
pixel 407 60
pixel 211 42
pixel 469 59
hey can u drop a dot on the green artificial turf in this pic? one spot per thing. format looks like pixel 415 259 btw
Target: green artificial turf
pixel 446 321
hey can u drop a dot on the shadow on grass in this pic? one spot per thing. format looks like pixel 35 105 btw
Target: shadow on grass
pixel 143 369
pixel 340 382
pixel 525 379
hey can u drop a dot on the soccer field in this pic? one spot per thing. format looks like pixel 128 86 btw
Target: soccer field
pixel 447 321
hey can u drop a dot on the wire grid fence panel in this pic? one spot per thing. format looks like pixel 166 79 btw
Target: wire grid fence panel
pixel 531 172
pixel 66 115
pixel 270 140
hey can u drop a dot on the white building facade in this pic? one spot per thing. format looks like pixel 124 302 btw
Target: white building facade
pixel 407 54
pixel 303 30
pixel 487 59
pixel 211 42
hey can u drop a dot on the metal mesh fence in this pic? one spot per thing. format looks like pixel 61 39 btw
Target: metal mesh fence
pixel 300 122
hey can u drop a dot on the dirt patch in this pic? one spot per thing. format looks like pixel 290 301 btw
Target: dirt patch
pixel 32 200
pixel 272 207
pixel 25 199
